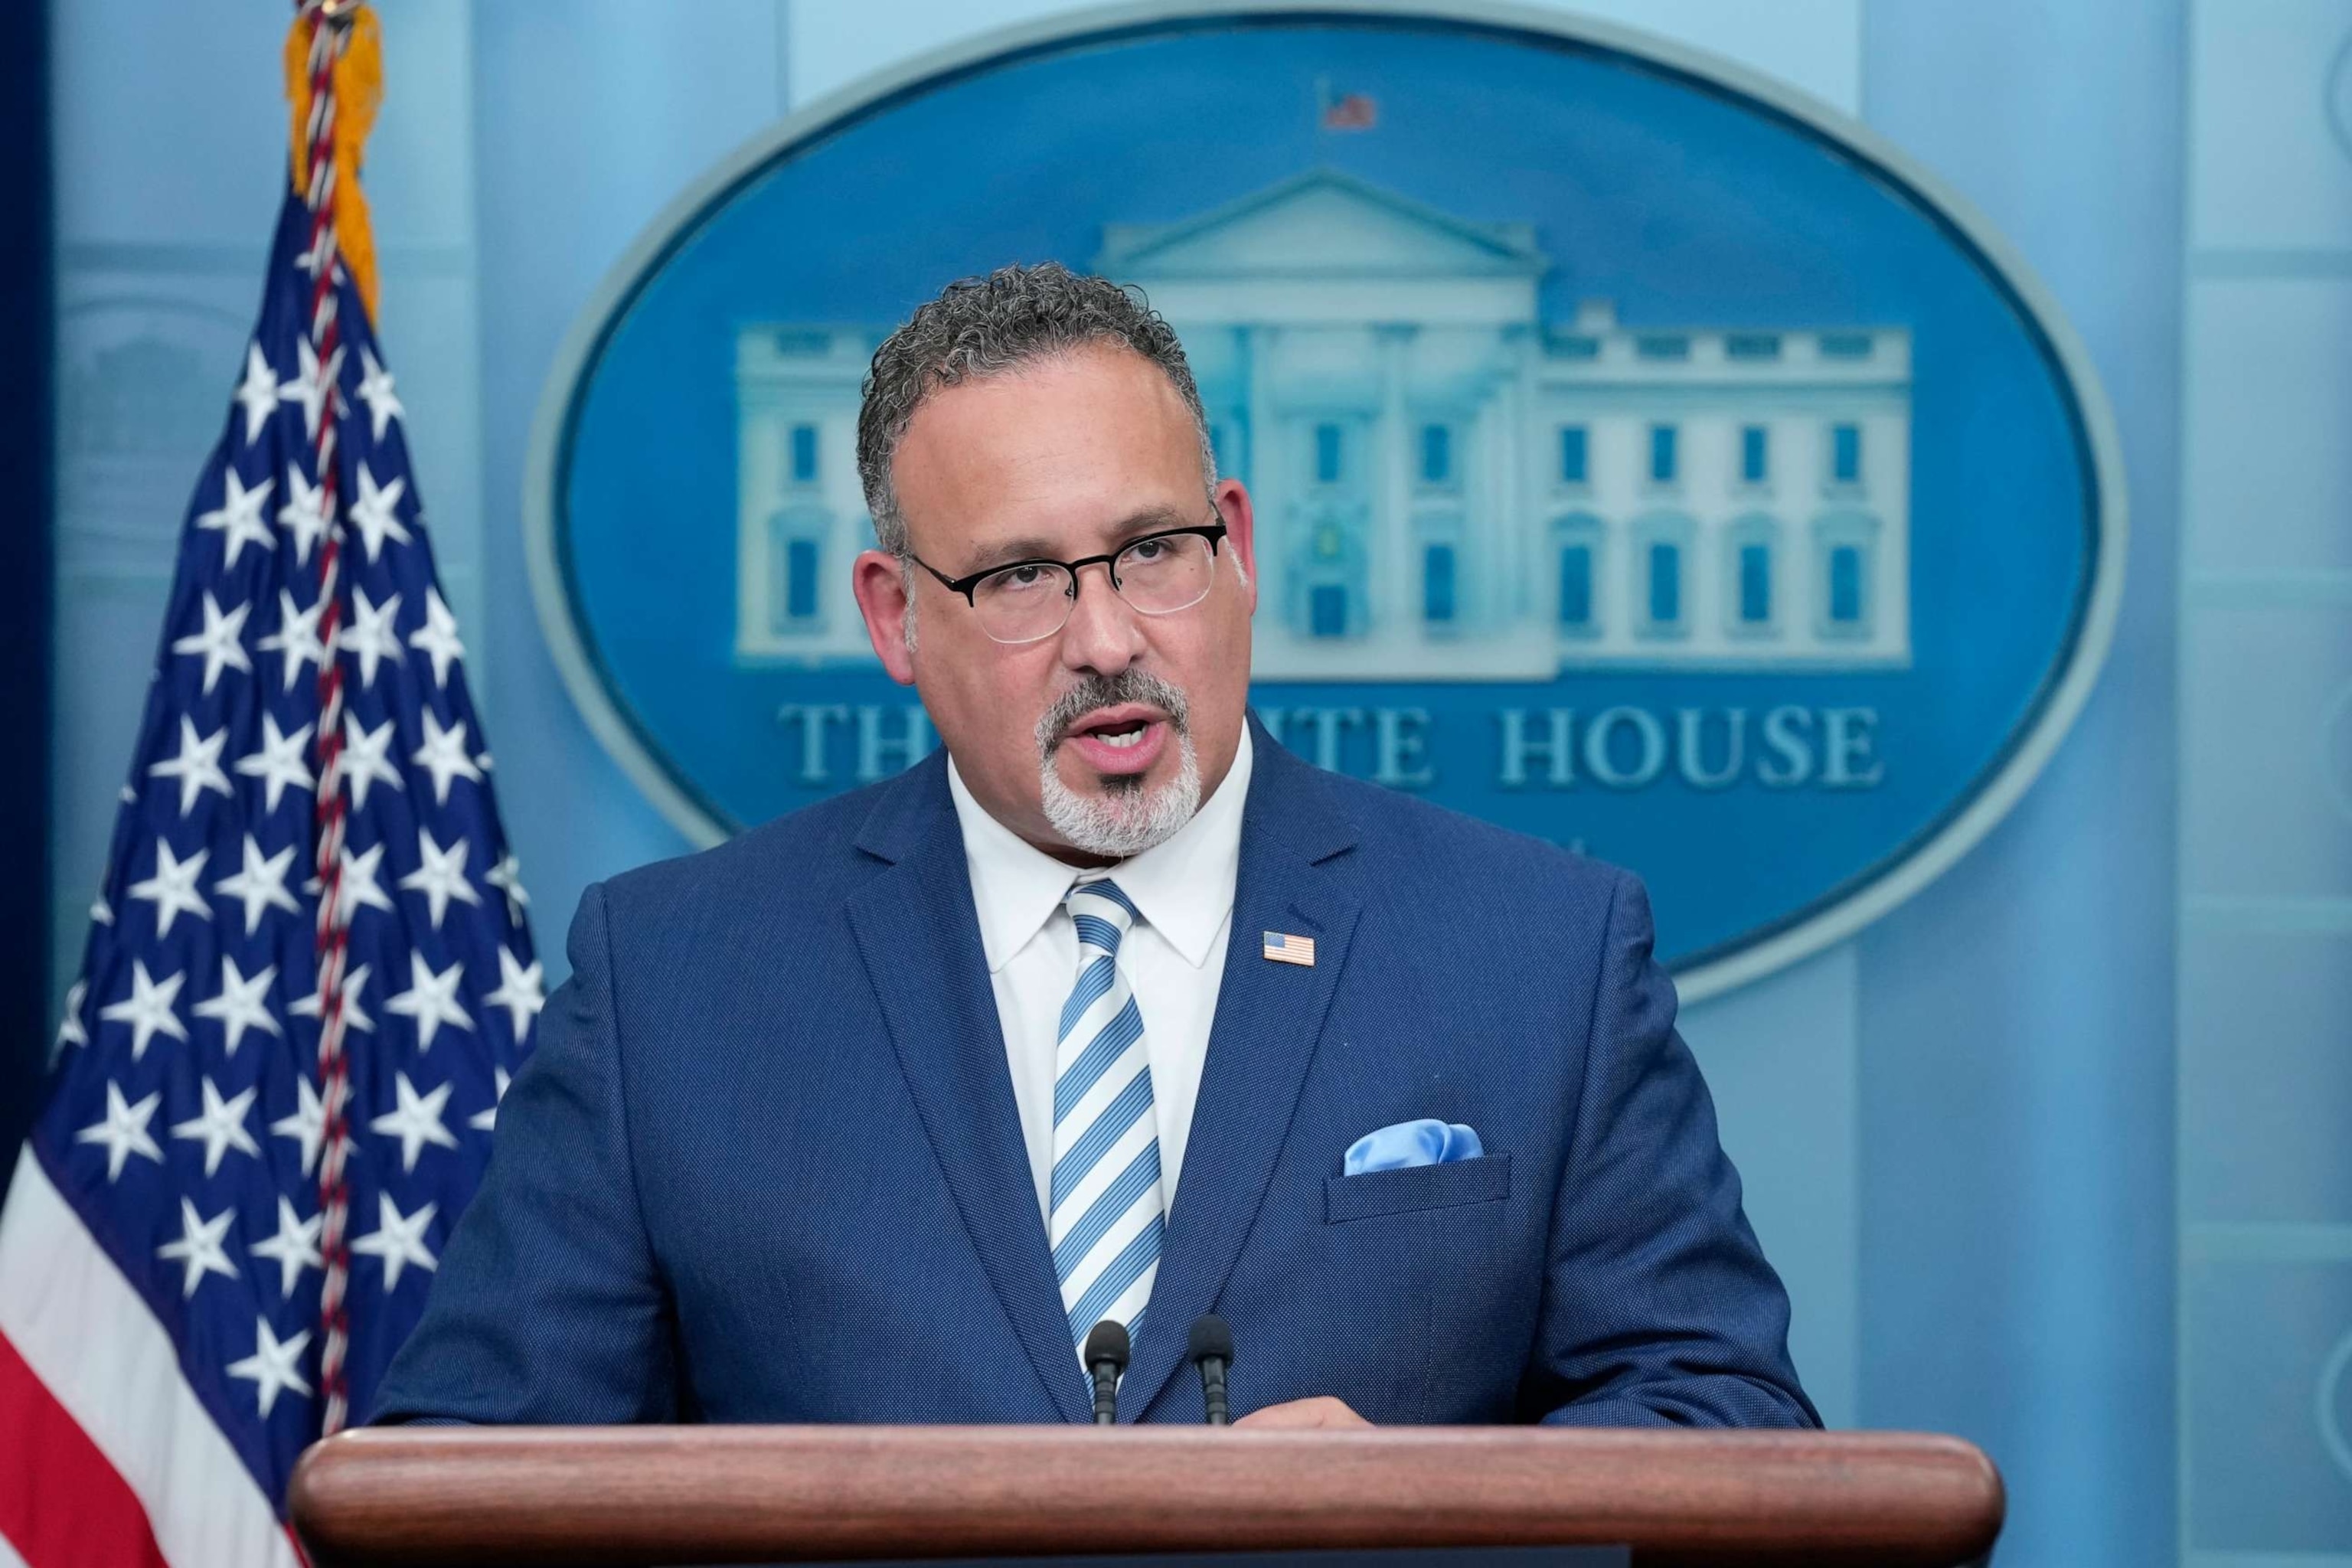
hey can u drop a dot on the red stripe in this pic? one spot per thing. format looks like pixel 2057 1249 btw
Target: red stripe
pixel 62 1504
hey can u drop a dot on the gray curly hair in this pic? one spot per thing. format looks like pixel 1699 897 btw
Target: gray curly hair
pixel 988 326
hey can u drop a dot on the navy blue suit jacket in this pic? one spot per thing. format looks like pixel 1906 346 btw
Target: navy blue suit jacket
pixel 765 1164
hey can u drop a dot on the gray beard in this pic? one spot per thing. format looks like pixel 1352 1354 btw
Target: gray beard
pixel 1126 820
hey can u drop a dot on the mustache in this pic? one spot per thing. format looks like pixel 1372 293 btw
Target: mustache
pixel 1096 691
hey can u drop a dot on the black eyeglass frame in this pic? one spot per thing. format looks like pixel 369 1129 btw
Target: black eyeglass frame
pixel 970 586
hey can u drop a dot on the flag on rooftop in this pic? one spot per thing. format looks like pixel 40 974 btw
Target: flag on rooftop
pixel 308 973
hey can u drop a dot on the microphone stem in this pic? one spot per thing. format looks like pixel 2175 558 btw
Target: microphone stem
pixel 1106 1395
pixel 1213 1391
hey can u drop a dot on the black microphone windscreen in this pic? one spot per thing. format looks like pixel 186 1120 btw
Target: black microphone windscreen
pixel 1211 1337
pixel 1107 1341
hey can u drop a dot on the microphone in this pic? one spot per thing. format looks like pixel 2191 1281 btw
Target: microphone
pixel 1211 1350
pixel 1106 1357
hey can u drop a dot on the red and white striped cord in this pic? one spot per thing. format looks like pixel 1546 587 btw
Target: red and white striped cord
pixel 334 931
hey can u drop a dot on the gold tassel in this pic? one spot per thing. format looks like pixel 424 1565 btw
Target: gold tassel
pixel 358 78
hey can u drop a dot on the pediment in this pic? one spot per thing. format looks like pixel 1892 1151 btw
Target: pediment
pixel 1321 224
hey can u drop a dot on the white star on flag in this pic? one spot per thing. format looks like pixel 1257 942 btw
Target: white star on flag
pixel 438 637
pixel 237 519
pixel 124 1130
pixel 372 513
pixel 444 756
pixel 296 639
pixel 364 759
pixel 360 890
pixel 258 393
pixel 506 878
pixel 197 767
pixel 398 1239
pixel 440 875
pixel 148 1009
pixel 278 762
pixel 199 1250
pixel 275 1365
pixel 354 981
pixel 305 1124
pixel 520 992
pixel 172 889
pixel 312 385
pixel 487 1120
pixel 261 885
pixel 221 644
pixel 371 634
pixel 431 999
pixel 296 1246
pixel 69 1029
pixel 304 515
pixel 376 391
pixel 417 1122
pixel 243 1002
pixel 220 1127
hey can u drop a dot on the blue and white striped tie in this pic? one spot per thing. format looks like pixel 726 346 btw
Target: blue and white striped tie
pixel 1106 1193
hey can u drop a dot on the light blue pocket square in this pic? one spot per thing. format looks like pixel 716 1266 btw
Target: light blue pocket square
pixel 1427 1142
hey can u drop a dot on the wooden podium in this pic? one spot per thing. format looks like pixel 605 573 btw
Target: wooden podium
pixel 751 1494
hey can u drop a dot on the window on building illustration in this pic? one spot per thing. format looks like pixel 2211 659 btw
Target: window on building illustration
pixel 1662 454
pixel 1573 455
pixel 1845 585
pixel 1665 583
pixel 1576 586
pixel 1326 611
pixel 1752 346
pixel 1754 583
pixel 801 579
pixel 1328 453
pixel 1845 454
pixel 1662 345
pixel 1436 454
pixel 1437 583
pixel 1846 345
pixel 1755 454
pixel 803 454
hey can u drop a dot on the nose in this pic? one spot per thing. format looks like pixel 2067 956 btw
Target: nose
pixel 1104 634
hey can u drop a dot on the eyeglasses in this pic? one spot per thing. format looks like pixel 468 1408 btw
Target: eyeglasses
pixel 1028 601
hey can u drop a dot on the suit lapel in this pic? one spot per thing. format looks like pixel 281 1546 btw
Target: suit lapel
pixel 920 939
pixel 1269 1018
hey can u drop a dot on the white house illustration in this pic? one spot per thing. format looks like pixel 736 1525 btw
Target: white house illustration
pixel 1447 487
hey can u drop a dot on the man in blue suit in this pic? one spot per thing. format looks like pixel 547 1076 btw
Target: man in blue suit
pixel 1113 1009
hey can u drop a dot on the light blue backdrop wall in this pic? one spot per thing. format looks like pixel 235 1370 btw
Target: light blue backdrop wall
pixel 1960 1130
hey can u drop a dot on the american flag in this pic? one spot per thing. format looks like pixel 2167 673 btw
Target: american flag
pixel 1352 111
pixel 167 1237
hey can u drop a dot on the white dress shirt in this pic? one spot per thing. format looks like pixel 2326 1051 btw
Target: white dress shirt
pixel 1173 959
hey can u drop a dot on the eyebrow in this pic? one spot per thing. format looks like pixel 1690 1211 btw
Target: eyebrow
pixel 1033 547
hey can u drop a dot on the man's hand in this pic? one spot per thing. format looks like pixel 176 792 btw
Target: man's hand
pixel 1320 1411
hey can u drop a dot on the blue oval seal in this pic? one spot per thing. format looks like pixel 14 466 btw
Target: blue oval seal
pixel 1646 457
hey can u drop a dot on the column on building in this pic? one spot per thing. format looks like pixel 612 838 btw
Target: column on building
pixel 1265 479
pixel 1524 525
pixel 1395 607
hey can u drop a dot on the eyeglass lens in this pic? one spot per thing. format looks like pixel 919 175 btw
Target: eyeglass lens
pixel 1155 576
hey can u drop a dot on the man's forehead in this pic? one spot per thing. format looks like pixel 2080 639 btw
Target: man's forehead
pixel 1057 454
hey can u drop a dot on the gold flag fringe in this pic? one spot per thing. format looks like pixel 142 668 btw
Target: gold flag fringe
pixel 357 76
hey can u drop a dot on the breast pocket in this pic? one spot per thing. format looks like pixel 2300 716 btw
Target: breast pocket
pixel 1485 1180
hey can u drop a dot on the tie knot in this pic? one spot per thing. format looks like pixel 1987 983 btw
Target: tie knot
pixel 1102 913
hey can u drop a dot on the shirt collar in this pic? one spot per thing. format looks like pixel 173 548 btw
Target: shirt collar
pixel 1184 887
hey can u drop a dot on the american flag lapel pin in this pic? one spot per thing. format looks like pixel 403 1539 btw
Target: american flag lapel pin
pixel 1282 948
